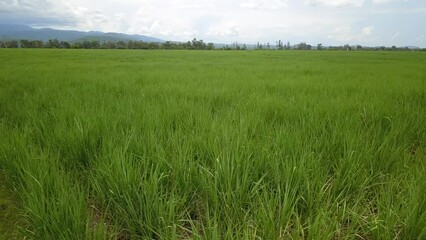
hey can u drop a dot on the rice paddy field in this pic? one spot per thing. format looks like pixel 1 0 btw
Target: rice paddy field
pixel 110 144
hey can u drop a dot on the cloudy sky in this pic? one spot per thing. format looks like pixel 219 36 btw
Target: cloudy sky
pixel 331 22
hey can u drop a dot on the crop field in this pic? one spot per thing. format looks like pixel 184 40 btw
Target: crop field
pixel 110 144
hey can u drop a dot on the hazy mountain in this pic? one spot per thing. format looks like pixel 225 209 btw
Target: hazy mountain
pixel 16 32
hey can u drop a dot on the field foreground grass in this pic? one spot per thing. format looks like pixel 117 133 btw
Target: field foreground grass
pixel 212 145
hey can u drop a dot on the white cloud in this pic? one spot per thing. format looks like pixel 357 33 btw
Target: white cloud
pixel 395 36
pixel 335 3
pixel 345 34
pixel 341 33
pixel 264 4
pixel 346 3
pixel 224 30
pixel 386 1
pixel 381 1
pixel 367 31
pixel 400 11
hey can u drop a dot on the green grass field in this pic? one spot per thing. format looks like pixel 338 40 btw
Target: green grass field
pixel 108 144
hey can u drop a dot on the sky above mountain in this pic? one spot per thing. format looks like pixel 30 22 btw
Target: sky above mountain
pixel 331 22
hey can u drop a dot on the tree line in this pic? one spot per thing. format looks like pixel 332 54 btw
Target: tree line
pixel 189 45
pixel 280 45
pixel 95 44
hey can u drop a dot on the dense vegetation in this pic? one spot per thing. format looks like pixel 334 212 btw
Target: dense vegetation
pixel 189 45
pixel 96 44
pixel 212 144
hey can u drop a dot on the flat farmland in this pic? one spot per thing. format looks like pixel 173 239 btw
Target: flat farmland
pixel 111 144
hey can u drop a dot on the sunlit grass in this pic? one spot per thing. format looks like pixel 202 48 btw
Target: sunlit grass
pixel 215 144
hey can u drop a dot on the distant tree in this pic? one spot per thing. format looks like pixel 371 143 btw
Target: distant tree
pixel 110 45
pixel 234 45
pixel 86 44
pixel 198 44
pixel 141 45
pixel 210 46
pixel 76 45
pixel 319 46
pixel 154 45
pixel 52 43
pixel 64 44
pixel 347 47
pixel 226 47
pixel 95 44
pixel 25 44
pixel 304 46
pixel 121 45
pixel 131 45
pixel 12 44
pixel 288 46
pixel 37 43
pixel 194 43
pixel 359 47
pixel 167 45
pixel 188 45
pixel 280 45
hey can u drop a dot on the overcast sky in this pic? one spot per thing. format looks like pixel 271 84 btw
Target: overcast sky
pixel 331 22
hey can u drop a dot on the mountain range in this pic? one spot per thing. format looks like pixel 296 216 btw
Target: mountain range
pixel 17 32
